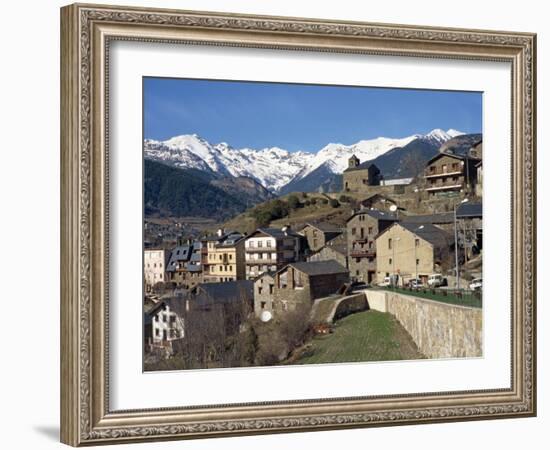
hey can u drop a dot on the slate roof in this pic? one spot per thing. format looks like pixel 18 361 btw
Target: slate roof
pixel 428 232
pixel 319 267
pixel 179 254
pixel 469 209
pixel 325 227
pixel 376 214
pixel 277 233
pixel 439 218
pixel 362 166
pixel 227 292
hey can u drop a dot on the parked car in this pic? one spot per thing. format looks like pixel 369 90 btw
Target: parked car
pixel 436 280
pixel 476 284
pixel 415 283
pixel 385 283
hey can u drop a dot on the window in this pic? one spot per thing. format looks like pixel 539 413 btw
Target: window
pixel 271 289
pixel 260 244
pixel 357 272
pixel 444 168
pixel 432 169
pixel 268 243
pixel 220 257
pixel 315 242
pixel 156 317
pixel 251 244
pixel 221 268
pixel 260 289
pixel 262 305
pixel 417 262
pixel 353 230
pixel 417 242
pixel 370 244
pixel 391 261
pixel 157 332
pixel 172 319
pixel 389 244
pixel 455 166
pixel 370 230
pixel 230 256
pixel 164 318
pixel 362 232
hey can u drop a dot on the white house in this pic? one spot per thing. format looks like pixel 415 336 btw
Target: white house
pixel 154 267
pixel 269 249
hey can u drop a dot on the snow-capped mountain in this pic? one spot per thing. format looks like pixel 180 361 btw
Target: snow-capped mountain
pixel 274 167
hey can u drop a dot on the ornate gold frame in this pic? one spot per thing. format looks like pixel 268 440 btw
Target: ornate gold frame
pixel 86 31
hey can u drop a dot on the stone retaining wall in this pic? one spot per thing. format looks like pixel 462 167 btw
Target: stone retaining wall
pixel 440 330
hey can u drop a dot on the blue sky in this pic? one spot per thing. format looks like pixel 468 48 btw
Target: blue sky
pixel 299 117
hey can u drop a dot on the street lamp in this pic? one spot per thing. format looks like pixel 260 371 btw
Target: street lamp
pixel 456 244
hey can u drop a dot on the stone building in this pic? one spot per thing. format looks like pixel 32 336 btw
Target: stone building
pixel 225 257
pixel 184 268
pixel 411 250
pixel 154 267
pixel 358 177
pixel 336 249
pixel 264 287
pixel 302 282
pixel 378 201
pixel 449 173
pixel 270 249
pixel 318 234
pixel 362 229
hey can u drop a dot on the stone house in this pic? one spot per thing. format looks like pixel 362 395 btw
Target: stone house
pixel 378 201
pixel 410 250
pixel 449 173
pixel 225 257
pixel 362 229
pixel 336 249
pixel 154 267
pixel 358 177
pixel 231 301
pixel 302 282
pixel 270 249
pixel 184 267
pixel 264 287
pixel 469 217
pixel 318 234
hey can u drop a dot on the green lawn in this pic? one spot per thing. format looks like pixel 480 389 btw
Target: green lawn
pixel 467 298
pixel 364 336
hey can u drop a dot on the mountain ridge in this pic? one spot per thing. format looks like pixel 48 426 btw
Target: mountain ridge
pixel 275 168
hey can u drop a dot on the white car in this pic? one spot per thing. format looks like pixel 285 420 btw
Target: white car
pixel 435 280
pixel 385 283
pixel 476 284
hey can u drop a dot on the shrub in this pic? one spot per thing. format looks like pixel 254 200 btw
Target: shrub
pixel 294 202
pixel 334 203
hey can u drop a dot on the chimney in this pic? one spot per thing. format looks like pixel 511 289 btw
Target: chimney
pixel 220 232
pixel 285 229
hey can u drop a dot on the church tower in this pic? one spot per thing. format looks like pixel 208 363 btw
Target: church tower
pixel 353 162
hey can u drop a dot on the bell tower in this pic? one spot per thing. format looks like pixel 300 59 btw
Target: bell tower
pixel 353 162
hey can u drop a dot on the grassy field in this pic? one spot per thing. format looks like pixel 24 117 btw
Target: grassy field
pixel 365 336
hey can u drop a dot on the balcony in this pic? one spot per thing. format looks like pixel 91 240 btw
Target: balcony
pixel 260 250
pixel 362 253
pixel 444 187
pixel 441 173
pixel 255 262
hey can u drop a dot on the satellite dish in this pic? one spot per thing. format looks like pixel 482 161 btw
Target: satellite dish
pixel 393 208
pixel 266 316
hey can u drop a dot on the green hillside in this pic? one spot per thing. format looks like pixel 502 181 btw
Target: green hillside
pixel 169 191
pixel 365 336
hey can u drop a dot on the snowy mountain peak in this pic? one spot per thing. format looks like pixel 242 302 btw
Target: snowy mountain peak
pixel 274 167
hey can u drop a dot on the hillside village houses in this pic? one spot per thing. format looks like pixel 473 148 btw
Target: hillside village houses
pixel 336 249
pixel 225 257
pixel 362 229
pixel 270 249
pixel 154 267
pixel 279 268
pixel 318 234
pixel 299 283
pixel 409 250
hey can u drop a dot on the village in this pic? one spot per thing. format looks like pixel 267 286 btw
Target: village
pixel 249 297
